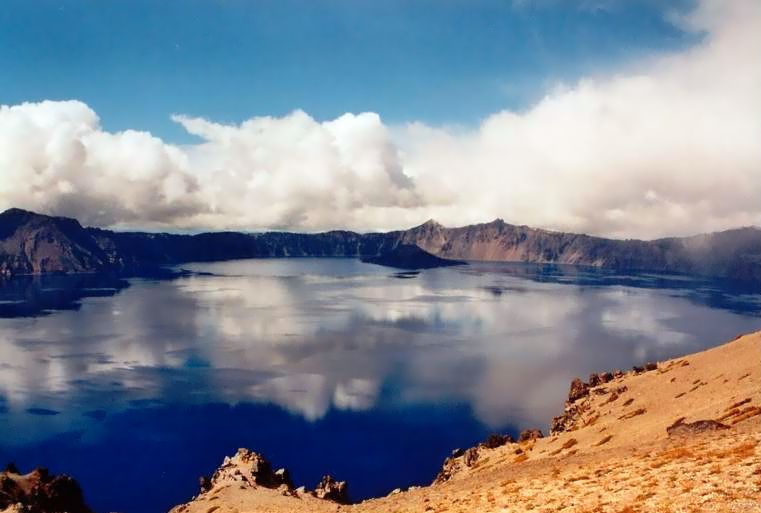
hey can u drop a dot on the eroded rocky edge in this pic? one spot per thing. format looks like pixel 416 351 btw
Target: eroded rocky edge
pixel 39 491
pixel 249 470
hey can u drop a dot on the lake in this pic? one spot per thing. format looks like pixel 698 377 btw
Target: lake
pixel 138 387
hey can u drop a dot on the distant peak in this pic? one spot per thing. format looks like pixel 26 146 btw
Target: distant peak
pixel 18 214
pixel 431 223
pixel 16 211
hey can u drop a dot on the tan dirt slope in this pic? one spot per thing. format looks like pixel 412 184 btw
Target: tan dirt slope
pixel 618 458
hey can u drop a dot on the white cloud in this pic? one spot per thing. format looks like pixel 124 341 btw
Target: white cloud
pixel 668 145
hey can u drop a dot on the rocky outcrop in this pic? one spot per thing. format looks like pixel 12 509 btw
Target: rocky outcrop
pixel 462 459
pixel 579 391
pixel 249 469
pixel 530 434
pixel 40 492
pixel 496 440
pixel 680 428
pixel 332 490
pixel 454 464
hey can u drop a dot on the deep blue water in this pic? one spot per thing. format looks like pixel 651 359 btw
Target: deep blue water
pixel 137 387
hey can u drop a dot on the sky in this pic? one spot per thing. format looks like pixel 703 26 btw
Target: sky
pixel 619 118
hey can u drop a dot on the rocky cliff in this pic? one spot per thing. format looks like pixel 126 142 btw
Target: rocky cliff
pixel 732 254
pixel 33 244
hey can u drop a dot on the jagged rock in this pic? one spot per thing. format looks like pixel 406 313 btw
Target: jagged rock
pixel 40 492
pixel 565 422
pixel 251 468
pixel 456 453
pixel 638 369
pixel 530 434
pixel 470 456
pixel 651 366
pixel 679 427
pixel 578 390
pixel 286 490
pixel 496 440
pixel 559 424
pixel 459 460
pixel 594 380
pixel 283 477
pixel 330 489
pixel 605 377
pixel 204 483
pixel 570 418
pixel 618 373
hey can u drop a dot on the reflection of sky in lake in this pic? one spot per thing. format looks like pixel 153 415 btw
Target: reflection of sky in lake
pixel 167 376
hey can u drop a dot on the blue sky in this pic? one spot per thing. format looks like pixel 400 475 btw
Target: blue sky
pixel 437 61
pixel 620 118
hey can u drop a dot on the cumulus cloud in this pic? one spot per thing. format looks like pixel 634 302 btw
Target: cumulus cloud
pixel 665 146
pixel 54 157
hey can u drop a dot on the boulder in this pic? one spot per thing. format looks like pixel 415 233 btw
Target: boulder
pixel 559 424
pixel 530 434
pixel 204 484
pixel 330 489
pixel 470 456
pixel 651 366
pixel 578 390
pixel 283 477
pixel 496 440
pixel 680 428
pixel 460 460
pixel 252 468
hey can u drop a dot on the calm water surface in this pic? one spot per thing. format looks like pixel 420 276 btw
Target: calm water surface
pixel 325 365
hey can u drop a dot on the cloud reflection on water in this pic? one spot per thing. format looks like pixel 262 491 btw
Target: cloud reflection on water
pixel 315 335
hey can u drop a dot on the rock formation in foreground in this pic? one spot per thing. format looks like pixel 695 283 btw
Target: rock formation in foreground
pixel 672 436
pixel 248 472
pixel 39 492
pixel 33 244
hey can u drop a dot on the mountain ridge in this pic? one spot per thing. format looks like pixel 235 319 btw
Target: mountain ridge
pixel 32 243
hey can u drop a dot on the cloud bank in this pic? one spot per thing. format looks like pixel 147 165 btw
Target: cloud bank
pixel 666 146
